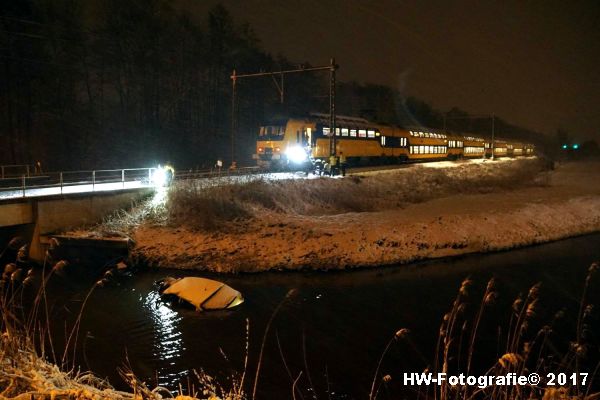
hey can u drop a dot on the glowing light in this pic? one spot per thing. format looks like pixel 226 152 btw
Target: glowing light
pixel 159 177
pixel 564 146
pixel 296 154
pixel 575 146
pixel 162 176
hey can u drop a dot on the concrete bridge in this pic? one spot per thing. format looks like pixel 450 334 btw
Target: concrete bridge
pixel 46 207
pixel 52 214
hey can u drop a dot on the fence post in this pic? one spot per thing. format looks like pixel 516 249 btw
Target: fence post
pixel 23 184
pixel 123 177
pixel 61 183
pixel 93 181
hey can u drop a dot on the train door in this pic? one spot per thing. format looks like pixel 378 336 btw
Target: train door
pixel 307 137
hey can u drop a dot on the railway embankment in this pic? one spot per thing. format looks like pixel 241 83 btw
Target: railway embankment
pixel 368 219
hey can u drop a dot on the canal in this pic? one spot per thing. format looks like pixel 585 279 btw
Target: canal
pixel 333 328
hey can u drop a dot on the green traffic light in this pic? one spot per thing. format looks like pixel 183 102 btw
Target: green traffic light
pixel 564 146
pixel 575 146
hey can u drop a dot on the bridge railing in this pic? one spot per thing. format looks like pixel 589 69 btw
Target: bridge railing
pixel 11 171
pixel 75 181
pixel 49 183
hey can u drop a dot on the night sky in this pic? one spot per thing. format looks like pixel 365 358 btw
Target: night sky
pixel 533 63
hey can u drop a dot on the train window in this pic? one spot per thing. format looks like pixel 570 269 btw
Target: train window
pixel 344 131
pixel 371 133
pixel 362 133
pixel 337 131
pixel 272 132
pixel 377 133
pixel 325 131
pixel 352 132
pixel 422 149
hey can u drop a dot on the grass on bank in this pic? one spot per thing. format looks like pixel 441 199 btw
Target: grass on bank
pixel 202 205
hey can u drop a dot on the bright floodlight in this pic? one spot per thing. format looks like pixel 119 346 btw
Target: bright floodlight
pixel 296 154
pixel 159 177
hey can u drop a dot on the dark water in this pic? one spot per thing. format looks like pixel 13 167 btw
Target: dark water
pixel 342 320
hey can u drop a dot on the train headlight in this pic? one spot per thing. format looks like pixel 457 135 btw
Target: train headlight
pixel 296 154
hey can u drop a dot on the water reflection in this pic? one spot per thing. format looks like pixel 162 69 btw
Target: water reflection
pixel 168 339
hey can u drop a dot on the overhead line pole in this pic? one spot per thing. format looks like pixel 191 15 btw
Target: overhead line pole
pixel 332 120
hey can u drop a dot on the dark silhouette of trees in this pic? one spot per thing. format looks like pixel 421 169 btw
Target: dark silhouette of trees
pixel 121 83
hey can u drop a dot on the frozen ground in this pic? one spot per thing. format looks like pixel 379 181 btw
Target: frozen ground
pixel 567 204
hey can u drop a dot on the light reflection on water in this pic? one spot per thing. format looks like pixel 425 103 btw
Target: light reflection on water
pixel 168 339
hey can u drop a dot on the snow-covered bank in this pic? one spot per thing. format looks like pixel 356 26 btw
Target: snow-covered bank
pixel 567 204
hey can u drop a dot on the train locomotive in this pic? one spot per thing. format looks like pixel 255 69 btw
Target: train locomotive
pixel 297 143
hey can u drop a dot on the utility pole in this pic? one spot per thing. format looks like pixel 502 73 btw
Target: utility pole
pixel 332 132
pixel 492 144
pixel 331 68
pixel 233 115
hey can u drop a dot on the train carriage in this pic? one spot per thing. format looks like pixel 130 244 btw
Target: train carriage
pixel 297 142
pixel 455 146
pixel 515 149
pixel 528 149
pixel 500 148
pixel 473 147
pixel 427 145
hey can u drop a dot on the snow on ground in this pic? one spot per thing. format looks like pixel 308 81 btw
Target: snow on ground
pixel 457 224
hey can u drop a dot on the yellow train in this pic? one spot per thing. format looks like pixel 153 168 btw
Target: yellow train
pixel 295 143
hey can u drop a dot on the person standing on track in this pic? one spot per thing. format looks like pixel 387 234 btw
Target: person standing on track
pixel 343 163
pixel 332 164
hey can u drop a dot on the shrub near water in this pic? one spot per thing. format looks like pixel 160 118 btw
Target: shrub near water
pixel 204 205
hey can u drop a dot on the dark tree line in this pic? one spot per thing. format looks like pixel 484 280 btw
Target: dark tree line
pixel 121 83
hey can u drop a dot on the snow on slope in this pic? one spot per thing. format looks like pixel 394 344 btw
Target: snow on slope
pixel 447 226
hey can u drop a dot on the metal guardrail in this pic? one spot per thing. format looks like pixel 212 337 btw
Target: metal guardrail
pixel 8 171
pixel 50 183
pixel 110 179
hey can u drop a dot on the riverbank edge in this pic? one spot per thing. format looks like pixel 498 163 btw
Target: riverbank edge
pixel 363 240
